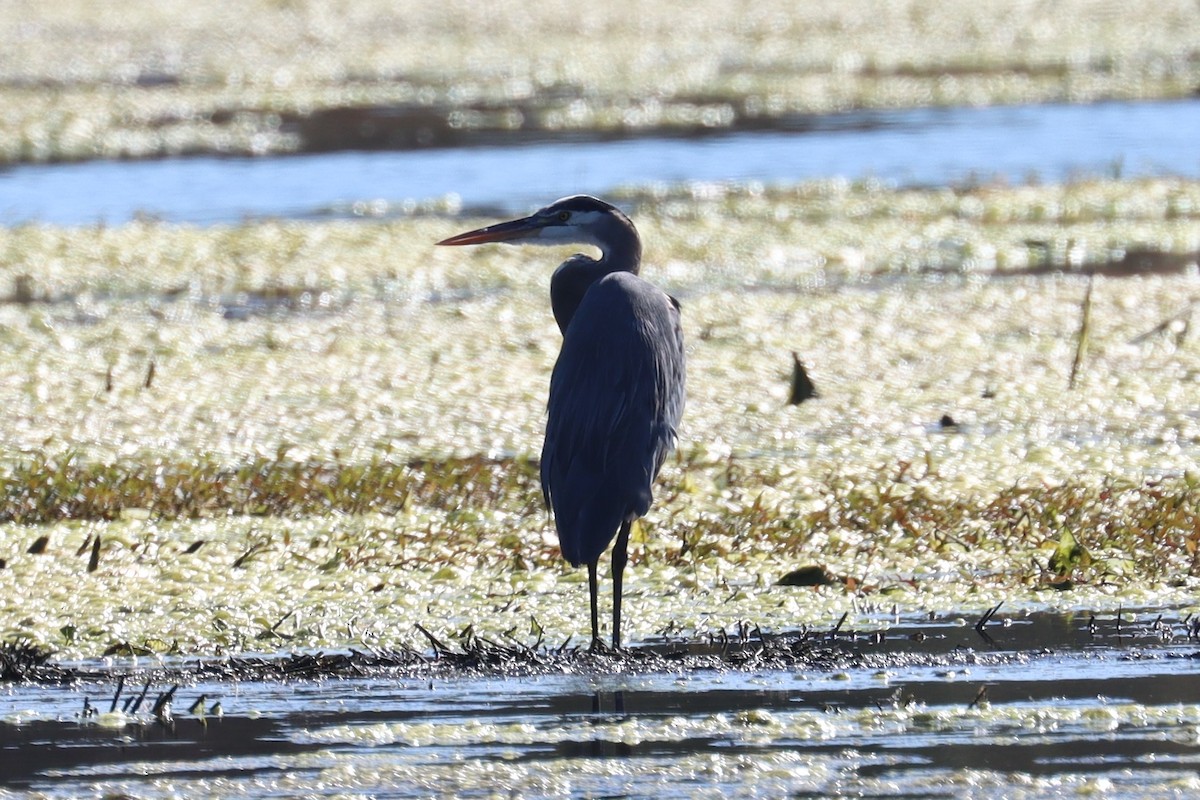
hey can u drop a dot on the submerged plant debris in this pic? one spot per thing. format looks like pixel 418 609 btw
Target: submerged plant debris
pixel 942 642
pixel 474 656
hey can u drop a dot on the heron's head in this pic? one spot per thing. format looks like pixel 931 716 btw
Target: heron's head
pixel 580 219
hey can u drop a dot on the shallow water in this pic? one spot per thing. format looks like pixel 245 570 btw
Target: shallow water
pixel 1066 711
pixel 1045 705
pixel 909 147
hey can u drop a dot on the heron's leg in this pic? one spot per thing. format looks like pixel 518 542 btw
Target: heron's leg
pixel 620 558
pixel 593 591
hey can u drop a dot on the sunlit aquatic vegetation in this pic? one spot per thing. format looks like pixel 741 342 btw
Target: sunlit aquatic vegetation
pixel 343 422
pixel 83 80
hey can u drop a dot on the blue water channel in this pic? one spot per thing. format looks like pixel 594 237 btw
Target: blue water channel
pixel 914 147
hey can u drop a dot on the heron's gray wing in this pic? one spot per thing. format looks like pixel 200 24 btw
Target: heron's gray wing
pixel 616 397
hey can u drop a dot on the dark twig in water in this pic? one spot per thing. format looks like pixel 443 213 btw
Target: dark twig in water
pixel 94 561
pixel 541 632
pixel 1178 323
pixel 138 702
pixel 162 707
pixel 834 632
pixel 1085 323
pixel 254 550
pixel 980 697
pixel 985 619
pixel 802 386
pixel 117 694
pixel 439 649
pixel 274 628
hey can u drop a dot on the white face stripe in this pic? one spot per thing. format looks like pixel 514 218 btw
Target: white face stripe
pixel 585 218
pixel 578 229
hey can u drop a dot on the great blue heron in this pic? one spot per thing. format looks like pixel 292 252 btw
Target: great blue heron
pixel 617 390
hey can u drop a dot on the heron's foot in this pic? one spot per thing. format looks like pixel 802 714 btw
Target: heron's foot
pixel 601 647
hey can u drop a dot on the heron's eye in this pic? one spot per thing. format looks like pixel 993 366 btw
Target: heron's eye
pixel 563 216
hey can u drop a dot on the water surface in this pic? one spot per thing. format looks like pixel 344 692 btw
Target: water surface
pixel 911 147
pixel 1053 704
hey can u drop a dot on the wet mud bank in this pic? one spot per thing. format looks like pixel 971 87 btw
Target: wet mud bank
pixel 991 637
pixel 412 126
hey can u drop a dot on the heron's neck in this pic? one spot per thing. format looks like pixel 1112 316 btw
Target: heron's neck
pixel 576 275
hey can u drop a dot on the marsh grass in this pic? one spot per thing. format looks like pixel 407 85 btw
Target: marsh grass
pixel 1155 524
pixel 64 488
pixel 890 537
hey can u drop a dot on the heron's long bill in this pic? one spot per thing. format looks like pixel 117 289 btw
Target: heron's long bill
pixel 500 232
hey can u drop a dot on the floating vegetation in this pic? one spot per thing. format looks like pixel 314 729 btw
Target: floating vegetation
pixel 166 82
pixel 470 546
pixel 178 480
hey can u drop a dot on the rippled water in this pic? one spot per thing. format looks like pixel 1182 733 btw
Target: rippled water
pixel 1046 705
pixel 925 146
